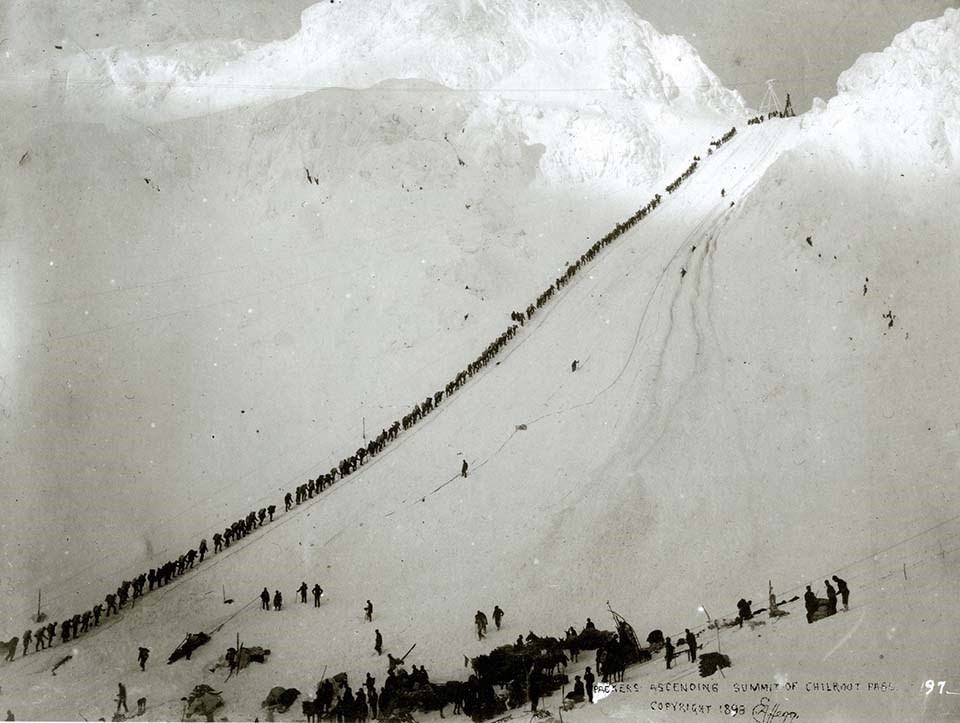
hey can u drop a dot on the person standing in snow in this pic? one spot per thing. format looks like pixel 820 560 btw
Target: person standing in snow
pixel 574 365
pixel 265 599
pixel 26 640
pixel 497 616
pixel 378 643
pixel 480 620
pixel 831 598
pixel 844 591
pixel 533 688
pixel 810 603
pixel 203 548
pixel 463 468
pixel 122 698
pixel 277 600
pixel 368 612
pixel 317 593
pixel 588 679
pixel 142 657
pixel 691 645
pixel 303 591
pixel 668 654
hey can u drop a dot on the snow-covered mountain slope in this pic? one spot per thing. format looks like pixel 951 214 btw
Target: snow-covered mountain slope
pixel 145 259
pixel 711 411
pixel 167 286
pixel 783 409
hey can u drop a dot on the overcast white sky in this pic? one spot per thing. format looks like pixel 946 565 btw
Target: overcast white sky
pixel 805 44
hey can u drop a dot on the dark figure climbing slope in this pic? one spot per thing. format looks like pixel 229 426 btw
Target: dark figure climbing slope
pixel 480 620
pixel 142 656
pixel 463 468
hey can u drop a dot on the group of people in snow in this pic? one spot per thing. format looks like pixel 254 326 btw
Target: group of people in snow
pixel 675 184
pixel 130 590
pixel 317 592
pixel 335 699
pixel 812 603
pixel 521 317
pixel 717 142
pixel 480 621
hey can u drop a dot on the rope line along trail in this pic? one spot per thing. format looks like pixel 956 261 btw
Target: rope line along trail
pixel 352 464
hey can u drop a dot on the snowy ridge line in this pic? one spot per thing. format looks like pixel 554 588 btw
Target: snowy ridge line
pixel 303 89
pixel 239 529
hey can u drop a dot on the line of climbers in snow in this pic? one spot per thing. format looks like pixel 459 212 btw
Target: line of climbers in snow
pixel 130 590
pixel 714 144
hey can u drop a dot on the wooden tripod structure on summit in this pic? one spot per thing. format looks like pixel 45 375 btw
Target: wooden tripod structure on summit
pixel 771 101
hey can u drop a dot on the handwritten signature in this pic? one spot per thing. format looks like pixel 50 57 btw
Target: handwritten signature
pixel 765 712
